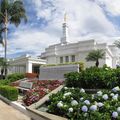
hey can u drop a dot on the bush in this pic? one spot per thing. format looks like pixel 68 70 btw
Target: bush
pixel 81 64
pixel 4 82
pixel 94 78
pixel 10 93
pixel 76 104
pixel 15 77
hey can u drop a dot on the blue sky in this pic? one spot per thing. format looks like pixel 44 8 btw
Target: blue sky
pixel 87 19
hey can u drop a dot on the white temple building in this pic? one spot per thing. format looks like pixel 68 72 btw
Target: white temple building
pixel 65 52
pixel 25 64
pixel 73 52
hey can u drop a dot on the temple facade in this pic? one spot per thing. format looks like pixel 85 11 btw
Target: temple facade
pixel 73 52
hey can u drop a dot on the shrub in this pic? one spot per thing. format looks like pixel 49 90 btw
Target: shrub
pixel 4 82
pixel 9 92
pixel 94 78
pixel 15 77
pixel 81 64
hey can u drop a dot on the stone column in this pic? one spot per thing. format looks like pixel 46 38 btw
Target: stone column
pixel 29 67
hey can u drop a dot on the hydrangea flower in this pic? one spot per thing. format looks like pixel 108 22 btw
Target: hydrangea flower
pixel 114 114
pixel 71 98
pixel 65 88
pixel 84 108
pixel 99 104
pixel 81 99
pixel 118 109
pixel 82 90
pixel 72 88
pixel 115 89
pixel 115 97
pixel 74 102
pixel 70 109
pixel 60 104
pixel 93 107
pixel 112 94
pixel 67 94
pixel 105 96
pixel 87 102
pixel 85 114
pixel 99 93
pixel 93 96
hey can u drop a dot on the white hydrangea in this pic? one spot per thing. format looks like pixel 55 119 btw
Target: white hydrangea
pixel 87 102
pixel 93 96
pixel 115 89
pixel 65 88
pixel 72 88
pixel 99 93
pixel 74 102
pixel 84 108
pixel 118 109
pixel 112 94
pixel 114 114
pixel 115 97
pixel 93 107
pixel 67 94
pixel 99 104
pixel 60 104
pixel 82 90
pixel 70 109
pixel 71 98
pixel 105 96
pixel 81 99
pixel 85 114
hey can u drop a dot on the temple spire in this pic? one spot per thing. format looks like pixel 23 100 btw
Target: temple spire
pixel 64 38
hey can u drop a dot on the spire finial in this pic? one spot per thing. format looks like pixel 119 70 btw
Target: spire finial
pixel 65 17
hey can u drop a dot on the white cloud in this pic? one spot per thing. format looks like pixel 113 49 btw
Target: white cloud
pixel 32 41
pixel 111 6
pixel 86 19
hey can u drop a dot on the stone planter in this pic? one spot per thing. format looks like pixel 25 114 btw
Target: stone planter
pixel 39 115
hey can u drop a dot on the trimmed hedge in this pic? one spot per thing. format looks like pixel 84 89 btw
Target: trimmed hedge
pixel 4 82
pixel 15 76
pixel 81 64
pixel 9 92
pixel 94 78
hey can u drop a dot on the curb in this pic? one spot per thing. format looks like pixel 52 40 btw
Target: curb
pixel 15 105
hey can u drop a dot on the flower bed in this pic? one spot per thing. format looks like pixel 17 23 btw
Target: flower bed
pixel 75 104
pixel 40 89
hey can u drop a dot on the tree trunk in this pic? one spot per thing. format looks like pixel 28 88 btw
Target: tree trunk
pixel 5 38
pixel 97 63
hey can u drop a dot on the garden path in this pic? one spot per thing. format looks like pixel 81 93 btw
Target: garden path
pixel 9 113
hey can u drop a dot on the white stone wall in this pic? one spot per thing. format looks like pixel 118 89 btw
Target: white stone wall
pixel 56 72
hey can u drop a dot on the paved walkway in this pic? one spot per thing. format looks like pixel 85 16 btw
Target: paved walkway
pixel 9 113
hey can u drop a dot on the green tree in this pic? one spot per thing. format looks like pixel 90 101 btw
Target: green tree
pixel 95 55
pixel 11 12
pixel 117 43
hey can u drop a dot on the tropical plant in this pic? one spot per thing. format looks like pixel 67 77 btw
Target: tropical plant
pixel 95 55
pixel 117 43
pixel 11 11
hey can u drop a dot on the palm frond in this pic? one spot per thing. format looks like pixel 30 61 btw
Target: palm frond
pixel 95 55
pixel 117 43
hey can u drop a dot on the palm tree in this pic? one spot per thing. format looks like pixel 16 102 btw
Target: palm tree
pixel 117 43
pixel 11 12
pixel 95 55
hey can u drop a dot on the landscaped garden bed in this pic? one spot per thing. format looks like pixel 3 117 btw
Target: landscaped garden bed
pixel 75 104
pixel 40 89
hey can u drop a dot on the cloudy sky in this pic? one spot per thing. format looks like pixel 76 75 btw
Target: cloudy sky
pixel 87 19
